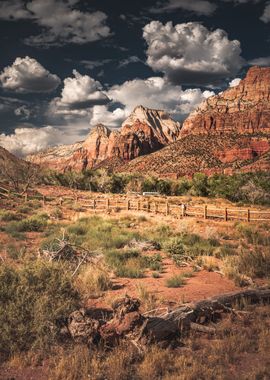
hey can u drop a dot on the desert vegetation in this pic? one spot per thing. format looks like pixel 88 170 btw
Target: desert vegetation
pixel 53 264
pixel 250 188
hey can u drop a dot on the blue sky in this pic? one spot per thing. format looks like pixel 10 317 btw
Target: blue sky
pixel 68 65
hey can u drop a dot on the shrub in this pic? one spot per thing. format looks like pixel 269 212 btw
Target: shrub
pixel 92 280
pixel 175 247
pixel 7 216
pixel 153 262
pixel 176 281
pixel 132 268
pixel 255 263
pixel 57 213
pixel 34 223
pixel 32 299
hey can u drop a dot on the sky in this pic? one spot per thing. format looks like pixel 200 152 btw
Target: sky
pixel 67 65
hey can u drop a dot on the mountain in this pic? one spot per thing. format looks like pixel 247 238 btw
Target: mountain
pixel 228 132
pixel 243 109
pixel 144 131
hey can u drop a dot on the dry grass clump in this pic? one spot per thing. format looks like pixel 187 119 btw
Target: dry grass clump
pixel 93 280
pixel 208 263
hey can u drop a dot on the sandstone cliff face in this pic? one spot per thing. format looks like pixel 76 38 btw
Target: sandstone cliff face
pixel 144 131
pixel 243 109
pixel 228 132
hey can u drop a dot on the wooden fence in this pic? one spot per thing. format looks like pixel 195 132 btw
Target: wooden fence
pixel 177 211
pixel 161 207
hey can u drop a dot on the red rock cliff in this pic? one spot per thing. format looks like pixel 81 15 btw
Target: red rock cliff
pixel 243 109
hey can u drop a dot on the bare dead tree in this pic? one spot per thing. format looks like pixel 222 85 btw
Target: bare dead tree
pixel 20 175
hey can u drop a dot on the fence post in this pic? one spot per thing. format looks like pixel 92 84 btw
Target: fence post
pixel 128 204
pixel 226 214
pixel 148 206
pixel 205 212
pixel 108 204
pixel 248 215
pixel 156 207
pixel 167 209
pixel 94 204
pixel 183 208
pixel 43 200
pixel 138 205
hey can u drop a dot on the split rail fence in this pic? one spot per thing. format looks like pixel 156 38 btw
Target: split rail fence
pixel 159 207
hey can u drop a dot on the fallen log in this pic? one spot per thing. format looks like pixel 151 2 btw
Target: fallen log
pixel 125 321
pixel 210 309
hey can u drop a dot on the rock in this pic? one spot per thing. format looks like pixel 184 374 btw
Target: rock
pixel 243 109
pixel 125 305
pixel 144 131
pixel 83 328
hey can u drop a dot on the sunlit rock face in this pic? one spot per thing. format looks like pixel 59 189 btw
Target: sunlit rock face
pixel 242 109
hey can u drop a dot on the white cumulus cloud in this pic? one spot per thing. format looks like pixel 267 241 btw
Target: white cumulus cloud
pixel 79 94
pixel 189 53
pixel 26 140
pixel 28 75
pixel 62 22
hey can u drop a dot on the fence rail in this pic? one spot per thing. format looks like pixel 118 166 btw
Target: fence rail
pixel 179 211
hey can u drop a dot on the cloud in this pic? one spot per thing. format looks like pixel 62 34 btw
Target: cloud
pixel 242 1
pixel 13 10
pixel 113 119
pixel 63 24
pixel 235 82
pixel 28 75
pixel 78 97
pixel 129 60
pixel 26 140
pixel 153 92
pixel 261 61
pixel 200 7
pixel 23 112
pixel 88 64
pixel 266 14
pixel 189 53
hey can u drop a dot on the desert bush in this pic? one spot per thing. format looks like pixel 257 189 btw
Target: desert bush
pixel 57 213
pixel 32 298
pixel 132 268
pixel 255 263
pixel 92 280
pixel 7 216
pixel 98 233
pixel 253 235
pixel 224 251
pixel 176 281
pixel 153 262
pixel 208 263
pixel 35 223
